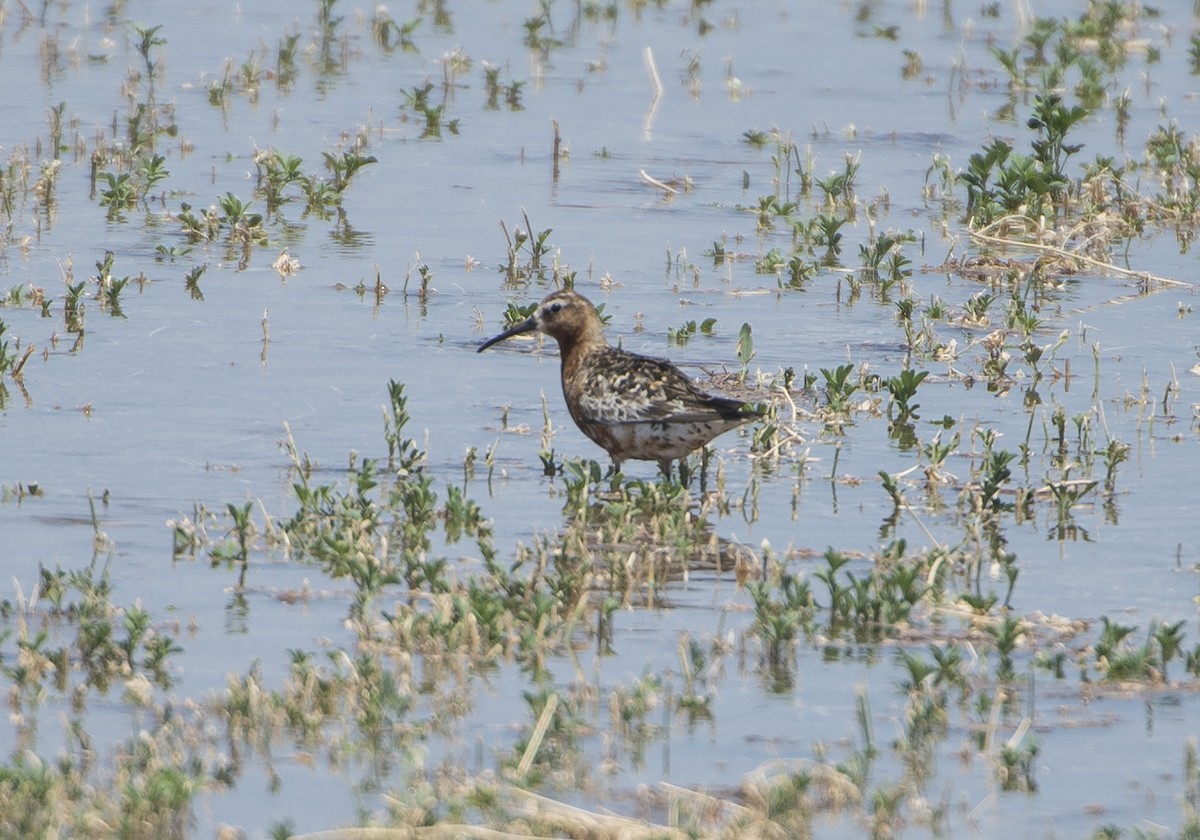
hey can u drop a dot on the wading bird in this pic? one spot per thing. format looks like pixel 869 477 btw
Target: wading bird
pixel 635 407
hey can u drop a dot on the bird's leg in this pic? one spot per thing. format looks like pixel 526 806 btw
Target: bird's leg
pixel 686 471
pixel 616 468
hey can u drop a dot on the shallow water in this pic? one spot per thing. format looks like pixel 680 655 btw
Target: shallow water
pixel 179 402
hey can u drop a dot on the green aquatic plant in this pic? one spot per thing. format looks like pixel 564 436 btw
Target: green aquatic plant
pixel 718 253
pixel 119 194
pixel 935 453
pixel 106 642
pixel 769 209
pixel 8 359
pixel 679 336
pixel 276 171
pixel 771 262
pixel 425 273
pixel 285 59
pixel 418 102
pixel 1067 494
pixel 108 287
pixel 237 549
pixel 342 168
pixel 241 226
pixel 1006 633
pixel 1114 454
pixel 324 193
pixel 824 231
pixel 198 228
pixel 1169 638
pixel 783 608
pixel 494 89
pixel 147 40
pixel 798 272
pixel 839 387
pixel 838 187
pixel 150 171
pixel 902 388
pixel 537 33
pixel 56 113
pixel 994 476
pixel 122 191
pixel 1000 180
pixel 1176 161
pixel 889 247
pixel 73 309
pixel 191 282
pixel 389 34
pixel 975 308
pixel 755 138
pixel 745 348
pixel 524 241
pixel 1053 121
pixel 904 314
pixel 143 127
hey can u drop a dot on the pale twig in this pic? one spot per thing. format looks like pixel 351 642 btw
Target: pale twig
pixel 1144 276
pixel 655 82
pixel 590 823
pixel 921 525
pixel 654 182
pixel 444 831
pixel 539 732
pixel 839 787
pixel 656 87
pixel 706 801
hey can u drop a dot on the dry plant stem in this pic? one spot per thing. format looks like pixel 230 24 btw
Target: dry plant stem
pixel 20 365
pixel 785 436
pixel 986 804
pixel 266 339
pixel 1019 735
pixel 1162 210
pixel 706 800
pixel 528 224
pixel 989 737
pixel 581 823
pixel 449 831
pixel 654 182
pixel 657 91
pixel 556 153
pixel 1046 490
pixel 1063 252
pixel 655 80
pixel 838 784
pixel 539 732
pixel 929 534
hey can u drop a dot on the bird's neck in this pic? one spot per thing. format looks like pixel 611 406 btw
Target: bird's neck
pixel 574 348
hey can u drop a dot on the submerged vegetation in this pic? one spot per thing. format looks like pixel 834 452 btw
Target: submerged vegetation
pixel 452 662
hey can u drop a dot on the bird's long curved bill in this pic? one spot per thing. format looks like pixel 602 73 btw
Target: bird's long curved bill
pixel 528 325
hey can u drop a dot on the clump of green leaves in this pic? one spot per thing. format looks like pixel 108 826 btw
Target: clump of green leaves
pixel 680 335
pixel 783 608
pixel 1001 181
pixel 526 252
pixel 417 101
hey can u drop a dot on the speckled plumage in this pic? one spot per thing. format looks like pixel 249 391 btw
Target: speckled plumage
pixel 635 407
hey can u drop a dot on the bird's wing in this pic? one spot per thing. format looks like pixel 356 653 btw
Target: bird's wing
pixel 639 389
